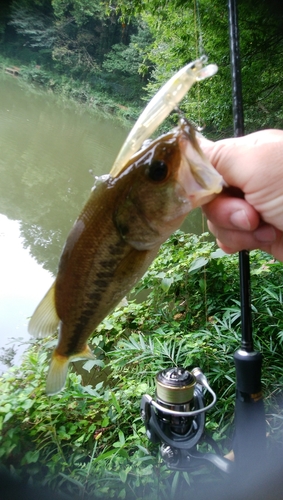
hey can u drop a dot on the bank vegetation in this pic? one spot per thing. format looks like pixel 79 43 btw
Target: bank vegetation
pixel 116 55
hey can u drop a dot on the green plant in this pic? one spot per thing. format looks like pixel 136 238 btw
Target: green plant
pixel 90 439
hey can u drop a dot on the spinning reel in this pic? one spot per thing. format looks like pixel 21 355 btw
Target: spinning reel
pixel 176 419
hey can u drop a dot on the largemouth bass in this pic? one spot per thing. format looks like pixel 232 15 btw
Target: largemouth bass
pixel 116 237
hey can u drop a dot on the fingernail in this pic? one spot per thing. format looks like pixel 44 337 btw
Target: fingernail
pixel 240 220
pixel 265 234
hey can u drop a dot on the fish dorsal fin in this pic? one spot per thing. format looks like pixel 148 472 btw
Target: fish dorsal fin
pixel 44 320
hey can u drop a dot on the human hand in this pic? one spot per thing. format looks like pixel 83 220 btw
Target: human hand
pixel 252 215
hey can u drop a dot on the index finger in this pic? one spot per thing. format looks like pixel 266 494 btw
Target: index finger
pixel 239 159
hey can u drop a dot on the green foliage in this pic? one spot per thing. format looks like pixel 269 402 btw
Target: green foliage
pixel 37 27
pixel 179 38
pixel 125 67
pixel 129 59
pixel 80 10
pixel 90 437
pixel 119 48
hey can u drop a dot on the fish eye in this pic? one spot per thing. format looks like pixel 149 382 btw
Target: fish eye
pixel 157 171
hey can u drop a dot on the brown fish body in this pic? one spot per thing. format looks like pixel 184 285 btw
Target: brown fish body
pixel 116 237
pixel 97 269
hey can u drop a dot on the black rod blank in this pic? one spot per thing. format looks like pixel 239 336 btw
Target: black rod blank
pixel 238 120
pixel 249 442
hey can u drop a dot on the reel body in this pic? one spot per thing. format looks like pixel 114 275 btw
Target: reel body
pixel 176 419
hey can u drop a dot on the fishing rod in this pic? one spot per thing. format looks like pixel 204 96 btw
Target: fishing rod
pixel 249 444
pixel 176 417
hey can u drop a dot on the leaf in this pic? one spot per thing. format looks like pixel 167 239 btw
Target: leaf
pixel 90 390
pixel 166 283
pixel 159 330
pixel 175 483
pixel 107 324
pixel 27 404
pixel 99 386
pixel 161 274
pixel 90 363
pixel 218 254
pixel 197 264
pixel 121 438
pixel 7 416
pixel 123 475
pixel 31 457
pixel 105 455
pixel 105 422
pixel 5 408
pixel 115 403
pixel 117 444
pixel 71 479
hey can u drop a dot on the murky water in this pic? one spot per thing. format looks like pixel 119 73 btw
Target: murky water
pixel 47 150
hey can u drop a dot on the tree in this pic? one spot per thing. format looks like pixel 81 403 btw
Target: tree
pixel 176 27
pixel 127 66
pixel 36 27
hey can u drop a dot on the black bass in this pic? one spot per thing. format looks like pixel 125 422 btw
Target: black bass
pixel 116 237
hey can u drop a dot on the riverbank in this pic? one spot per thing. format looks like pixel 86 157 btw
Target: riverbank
pixel 67 87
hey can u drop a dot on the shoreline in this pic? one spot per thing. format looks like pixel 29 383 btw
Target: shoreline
pixel 64 87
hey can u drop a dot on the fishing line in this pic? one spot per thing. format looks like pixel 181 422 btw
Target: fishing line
pixel 199 53
pixel 200 37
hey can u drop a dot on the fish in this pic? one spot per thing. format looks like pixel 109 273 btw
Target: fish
pixel 116 237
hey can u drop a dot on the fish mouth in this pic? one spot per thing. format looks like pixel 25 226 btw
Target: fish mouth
pixel 199 179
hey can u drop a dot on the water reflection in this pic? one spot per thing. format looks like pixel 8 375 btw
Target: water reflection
pixel 46 152
pixel 22 282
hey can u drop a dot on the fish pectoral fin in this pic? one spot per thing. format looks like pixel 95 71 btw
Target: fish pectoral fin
pixel 44 320
pixel 124 302
pixel 57 374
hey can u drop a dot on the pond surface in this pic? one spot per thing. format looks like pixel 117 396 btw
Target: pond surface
pixel 49 152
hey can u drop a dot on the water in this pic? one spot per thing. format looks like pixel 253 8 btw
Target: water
pixel 22 282
pixel 47 150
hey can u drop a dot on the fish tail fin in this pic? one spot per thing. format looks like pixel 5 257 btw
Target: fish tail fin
pixel 57 374
pixel 58 369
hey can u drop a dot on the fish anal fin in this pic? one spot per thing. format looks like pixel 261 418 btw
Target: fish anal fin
pixel 44 320
pixel 86 353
